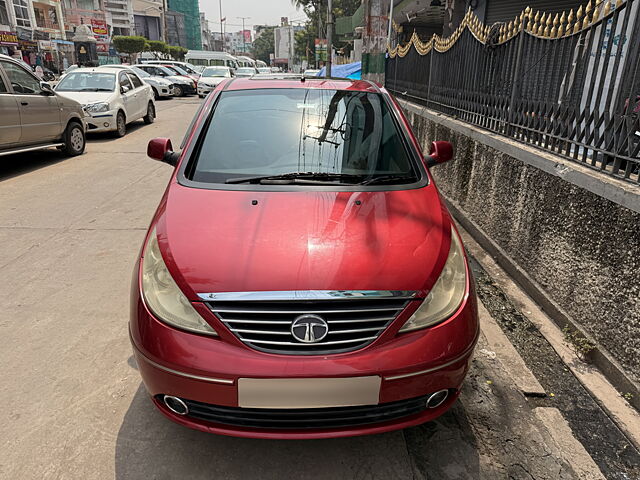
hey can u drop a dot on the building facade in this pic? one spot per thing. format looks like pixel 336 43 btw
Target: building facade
pixel 190 10
pixel 176 30
pixel 120 16
pixel 148 19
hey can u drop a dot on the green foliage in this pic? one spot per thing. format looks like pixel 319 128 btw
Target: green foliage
pixel 177 53
pixel 157 46
pixel 581 345
pixel 264 45
pixel 129 45
pixel 316 11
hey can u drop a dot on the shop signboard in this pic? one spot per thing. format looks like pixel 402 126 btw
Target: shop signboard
pixel 321 50
pixel 100 30
pixel 28 45
pixel 8 39
pixel 102 47
pixel 45 45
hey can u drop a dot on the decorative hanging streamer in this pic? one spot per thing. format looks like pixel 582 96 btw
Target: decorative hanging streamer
pixel 541 25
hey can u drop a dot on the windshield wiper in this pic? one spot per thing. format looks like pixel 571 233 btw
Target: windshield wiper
pixel 317 178
pixel 95 90
pixel 388 179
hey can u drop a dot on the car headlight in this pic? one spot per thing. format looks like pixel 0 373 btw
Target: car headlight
pixel 448 292
pixel 163 296
pixel 97 107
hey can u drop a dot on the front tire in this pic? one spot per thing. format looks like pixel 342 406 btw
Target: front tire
pixel 156 95
pixel 150 117
pixel 179 92
pixel 121 125
pixel 74 140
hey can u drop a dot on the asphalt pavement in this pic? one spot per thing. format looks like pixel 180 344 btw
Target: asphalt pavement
pixel 74 405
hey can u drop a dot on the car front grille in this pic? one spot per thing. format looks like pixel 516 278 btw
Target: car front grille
pixel 305 418
pixel 267 325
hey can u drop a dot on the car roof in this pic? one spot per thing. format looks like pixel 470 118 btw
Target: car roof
pixel 274 82
pixel 98 70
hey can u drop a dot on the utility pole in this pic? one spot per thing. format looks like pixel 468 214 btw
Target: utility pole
pixel 221 26
pixel 244 39
pixel 329 37
pixel 165 35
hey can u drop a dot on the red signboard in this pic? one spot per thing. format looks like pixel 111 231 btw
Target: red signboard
pixel 9 38
pixel 99 28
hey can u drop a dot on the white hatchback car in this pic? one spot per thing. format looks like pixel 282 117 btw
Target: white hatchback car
pixel 111 97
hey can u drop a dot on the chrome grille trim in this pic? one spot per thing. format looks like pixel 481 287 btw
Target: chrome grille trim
pixel 355 319
pixel 301 312
pixel 295 295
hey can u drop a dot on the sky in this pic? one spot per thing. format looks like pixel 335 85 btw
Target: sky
pixel 262 12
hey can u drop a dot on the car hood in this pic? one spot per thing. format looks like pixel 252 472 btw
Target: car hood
pixel 177 79
pixel 86 98
pixel 156 81
pixel 219 241
pixel 212 80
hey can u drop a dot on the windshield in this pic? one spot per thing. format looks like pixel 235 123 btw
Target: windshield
pixel 140 72
pixel 246 70
pixel 87 82
pixel 216 72
pixel 283 131
pixel 177 69
pixel 264 70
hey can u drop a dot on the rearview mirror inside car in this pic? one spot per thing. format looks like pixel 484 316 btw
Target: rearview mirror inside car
pixel 440 152
pixel 161 149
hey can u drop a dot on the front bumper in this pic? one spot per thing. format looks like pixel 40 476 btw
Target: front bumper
pixel 207 370
pixel 188 89
pixel 205 89
pixel 165 90
pixel 100 122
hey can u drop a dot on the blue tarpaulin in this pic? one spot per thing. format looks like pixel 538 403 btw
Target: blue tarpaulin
pixel 350 70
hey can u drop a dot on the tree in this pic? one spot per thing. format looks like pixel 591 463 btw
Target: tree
pixel 177 53
pixel 157 46
pixel 316 11
pixel 129 45
pixel 264 45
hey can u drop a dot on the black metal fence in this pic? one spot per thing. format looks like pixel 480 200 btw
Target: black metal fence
pixel 568 84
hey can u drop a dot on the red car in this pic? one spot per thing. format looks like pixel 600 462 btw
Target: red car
pixel 302 277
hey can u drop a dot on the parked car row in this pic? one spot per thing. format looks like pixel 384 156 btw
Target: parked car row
pixel 36 116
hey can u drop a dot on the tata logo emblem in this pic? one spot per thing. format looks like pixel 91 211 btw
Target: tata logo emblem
pixel 309 328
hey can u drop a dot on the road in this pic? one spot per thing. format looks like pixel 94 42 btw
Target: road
pixel 74 406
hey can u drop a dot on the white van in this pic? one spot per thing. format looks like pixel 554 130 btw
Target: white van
pixel 211 59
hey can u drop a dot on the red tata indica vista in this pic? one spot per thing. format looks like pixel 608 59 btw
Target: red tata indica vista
pixel 302 277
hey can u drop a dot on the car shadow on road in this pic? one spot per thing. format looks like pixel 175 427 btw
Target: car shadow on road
pixel 22 163
pixel 108 137
pixel 150 446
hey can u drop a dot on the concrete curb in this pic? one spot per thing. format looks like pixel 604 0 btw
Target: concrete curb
pixel 597 384
pixel 506 353
pixel 569 447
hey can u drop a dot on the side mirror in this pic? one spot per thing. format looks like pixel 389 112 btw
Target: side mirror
pixel 440 152
pixel 161 149
pixel 46 89
pixel 124 89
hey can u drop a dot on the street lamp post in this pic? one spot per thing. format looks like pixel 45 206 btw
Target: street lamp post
pixel 329 37
pixel 221 26
pixel 244 40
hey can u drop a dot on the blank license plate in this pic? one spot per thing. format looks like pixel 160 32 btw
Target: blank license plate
pixel 308 392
